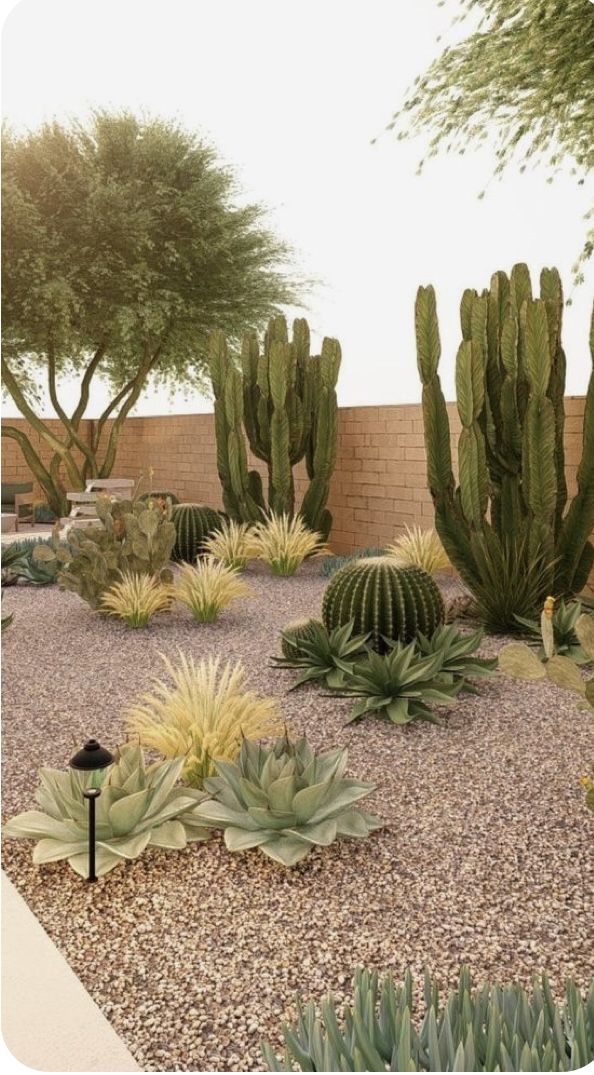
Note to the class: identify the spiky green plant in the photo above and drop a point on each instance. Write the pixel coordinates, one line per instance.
(491, 1028)
(284, 543)
(522, 662)
(383, 600)
(458, 652)
(135, 599)
(208, 588)
(399, 684)
(193, 523)
(232, 543)
(202, 714)
(419, 548)
(286, 800)
(295, 632)
(510, 382)
(285, 400)
(331, 564)
(511, 583)
(327, 657)
(139, 807)
(565, 639)
(20, 564)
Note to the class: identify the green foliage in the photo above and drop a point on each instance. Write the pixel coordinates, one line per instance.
(139, 807)
(505, 526)
(285, 800)
(133, 538)
(20, 564)
(383, 600)
(194, 523)
(161, 495)
(491, 1028)
(565, 639)
(331, 564)
(523, 79)
(399, 684)
(459, 662)
(293, 634)
(323, 655)
(284, 400)
(124, 245)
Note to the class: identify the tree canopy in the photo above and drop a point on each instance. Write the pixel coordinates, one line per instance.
(525, 72)
(125, 243)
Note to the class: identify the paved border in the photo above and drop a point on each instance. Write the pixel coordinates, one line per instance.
(49, 1021)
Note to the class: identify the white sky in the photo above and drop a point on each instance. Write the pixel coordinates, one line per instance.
(292, 92)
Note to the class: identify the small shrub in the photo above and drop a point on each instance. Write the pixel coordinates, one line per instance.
(509, 584)
(285, 800)
(494, 1028)
(139, 807)
(323, 656)
(233, 544)
(399, 684)
(419, 548)
(284, 543)
(383, 600)
(135, 599)
(208, 589)
(203, 715)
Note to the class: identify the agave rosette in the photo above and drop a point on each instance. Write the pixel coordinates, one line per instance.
(325, 656)
(285, 800)
(458, 654)
(399, 684)
(139, 807)
(565, 639)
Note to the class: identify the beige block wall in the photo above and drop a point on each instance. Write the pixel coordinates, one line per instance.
(379, 483)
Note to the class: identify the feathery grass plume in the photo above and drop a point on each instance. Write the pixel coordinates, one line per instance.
(208, 588)
(419, 548)
(204, 714)
(233, 544)
(284, 543)
(135, 599)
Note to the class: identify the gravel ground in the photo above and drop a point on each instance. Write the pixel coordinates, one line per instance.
(195, 957)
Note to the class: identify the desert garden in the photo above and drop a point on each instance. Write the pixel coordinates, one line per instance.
(298, 699)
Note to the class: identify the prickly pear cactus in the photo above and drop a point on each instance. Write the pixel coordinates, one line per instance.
(385, 601)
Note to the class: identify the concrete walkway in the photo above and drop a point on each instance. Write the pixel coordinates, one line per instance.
(49, 1021)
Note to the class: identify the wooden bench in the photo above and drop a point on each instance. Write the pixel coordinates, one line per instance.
(83, 511)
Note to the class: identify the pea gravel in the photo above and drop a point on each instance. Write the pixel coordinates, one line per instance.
(487, 856)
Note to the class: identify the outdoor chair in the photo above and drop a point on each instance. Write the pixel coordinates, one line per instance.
(17, 500)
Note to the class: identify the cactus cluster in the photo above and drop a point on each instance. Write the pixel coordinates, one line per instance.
(383, 600)
(510, 383)
(491, 1028)
(194, 524)
(133, 538)
(284, 400)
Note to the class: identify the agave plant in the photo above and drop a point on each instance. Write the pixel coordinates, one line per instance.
(458, 655)
(208, 588)
(139, 807)
(285, 800)
(233, 544)
(565, 639)
(419, 548)
(284, 543)
(493, 1028)
(18, 563)
(203, 715)
(325, 656)
(398, 684)
(135, 599)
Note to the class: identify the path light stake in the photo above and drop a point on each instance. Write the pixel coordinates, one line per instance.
(92, 757)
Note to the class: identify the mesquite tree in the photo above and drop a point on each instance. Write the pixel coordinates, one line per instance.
(123, 248)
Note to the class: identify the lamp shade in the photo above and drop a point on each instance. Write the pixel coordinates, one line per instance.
(92, 756)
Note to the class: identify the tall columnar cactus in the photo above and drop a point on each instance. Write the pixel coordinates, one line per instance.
(194, 523)
(510, 383)
(285, 400)
(385, 601)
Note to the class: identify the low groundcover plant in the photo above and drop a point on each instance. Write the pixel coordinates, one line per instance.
(208, 588)
(285, 800)
(284, 542)
(135, 599)
(324, 656)
(399, 684)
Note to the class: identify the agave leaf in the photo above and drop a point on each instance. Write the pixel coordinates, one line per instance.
(129, 847)
(323, 833)
(272, 819)
(34, 825)
(105, 861)
(346, 796)
(398, 711)
(281, 793)
(288, 850)
(241, 839)
(170, 834)
(307, 801)
(48, 850)
(125, 814)
(252, 794)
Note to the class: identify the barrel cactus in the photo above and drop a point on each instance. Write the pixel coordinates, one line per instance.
(194, 523)
(294, 633)
(385, 601)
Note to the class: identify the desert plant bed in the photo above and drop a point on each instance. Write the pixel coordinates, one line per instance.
(197, 956)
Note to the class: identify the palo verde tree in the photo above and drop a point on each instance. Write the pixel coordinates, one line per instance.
(124, 246)
(526, 73)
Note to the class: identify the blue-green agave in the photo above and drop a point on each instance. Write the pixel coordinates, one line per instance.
(399, 684)
(285, 800)
(324, 655)
(139, 807)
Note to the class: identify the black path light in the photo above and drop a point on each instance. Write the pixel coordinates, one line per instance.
(92, 756)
